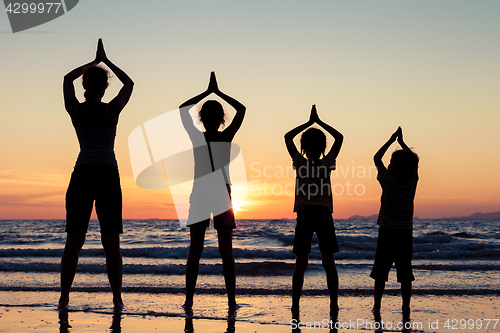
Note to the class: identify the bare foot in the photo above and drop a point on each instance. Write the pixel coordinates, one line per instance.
(231, 313)
(188, 305)
(406, 314)
(334, 312)
(63, 303)
(376, 314)
(188, 309)
(118, 304)
(233, 306)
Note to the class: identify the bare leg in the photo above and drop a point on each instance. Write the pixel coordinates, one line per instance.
(332, 279)
(226, 252)
(379, 291)
(197, 235)
(301, 262)
(114, 266)
(69, 262)
(406, 295)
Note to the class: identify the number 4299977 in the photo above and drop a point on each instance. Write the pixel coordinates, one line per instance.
(471, 324)
(41, 8)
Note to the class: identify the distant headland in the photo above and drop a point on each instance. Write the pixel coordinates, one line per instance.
(475, 216)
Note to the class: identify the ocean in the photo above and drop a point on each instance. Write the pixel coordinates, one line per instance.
(451, 257)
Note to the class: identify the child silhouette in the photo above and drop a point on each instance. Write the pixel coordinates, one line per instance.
(394, 245)
(314, 204)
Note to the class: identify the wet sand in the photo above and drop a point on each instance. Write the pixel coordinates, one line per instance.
(91, 312)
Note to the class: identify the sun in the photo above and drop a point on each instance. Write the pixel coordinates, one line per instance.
(237, 205)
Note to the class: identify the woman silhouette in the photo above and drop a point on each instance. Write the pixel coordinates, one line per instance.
(95, 176)
(211, 187)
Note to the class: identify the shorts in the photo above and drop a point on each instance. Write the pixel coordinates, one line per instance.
(309, 221)
(393, 246)
(94, 182)
(202, 205)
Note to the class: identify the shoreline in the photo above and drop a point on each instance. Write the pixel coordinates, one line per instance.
(24, 311)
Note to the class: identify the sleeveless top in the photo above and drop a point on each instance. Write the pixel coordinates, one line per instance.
(211, 163)
(312, 182)
(96, 144)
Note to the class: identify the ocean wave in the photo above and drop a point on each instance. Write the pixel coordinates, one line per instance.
(153, 252)
(265, 268)
(362, 249)
(243, 269)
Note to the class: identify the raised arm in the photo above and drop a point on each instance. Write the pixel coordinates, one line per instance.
(377, 159)
(235, 125)
(290, 145)
(118, 103)
(339, 138)
(70, 99)
(196, 99)
(184, 108)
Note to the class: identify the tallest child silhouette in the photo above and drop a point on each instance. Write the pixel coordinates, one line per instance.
(314, 204)
(211, 192)
(95, 177)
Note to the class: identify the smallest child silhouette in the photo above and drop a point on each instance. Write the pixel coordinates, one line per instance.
(394, 245)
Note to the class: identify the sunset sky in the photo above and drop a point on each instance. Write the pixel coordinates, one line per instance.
(431, 67)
